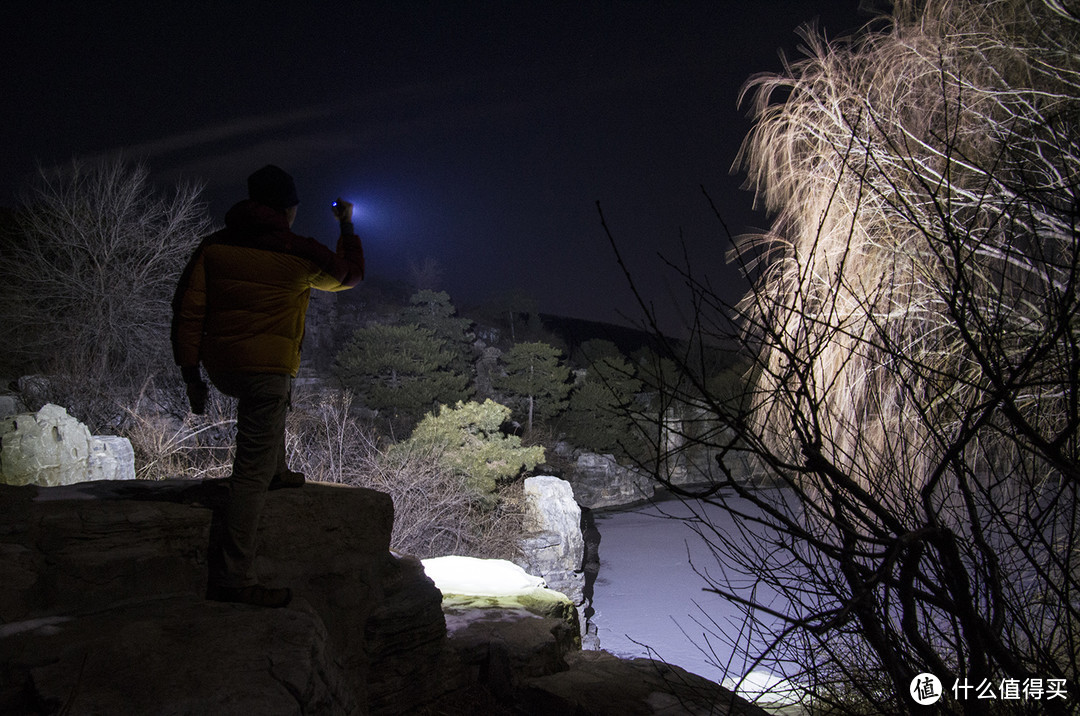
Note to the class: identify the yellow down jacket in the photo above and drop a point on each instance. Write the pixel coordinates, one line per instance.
(242, 298)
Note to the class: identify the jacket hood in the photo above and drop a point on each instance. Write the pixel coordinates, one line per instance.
(248, 218)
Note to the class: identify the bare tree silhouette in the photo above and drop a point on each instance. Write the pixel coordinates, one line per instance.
(87, 273)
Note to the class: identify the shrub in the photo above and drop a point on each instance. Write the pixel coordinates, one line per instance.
(435, 510)
(468, 440)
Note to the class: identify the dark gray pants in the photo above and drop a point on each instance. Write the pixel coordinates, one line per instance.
(263, 400)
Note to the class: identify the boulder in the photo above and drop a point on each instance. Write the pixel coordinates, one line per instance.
(552, 544)
(95, 568)
(52, 448)
(10, 405)
(600, 481)
(502, 624)
(111, 458)
(597, 683)
(194, 656)
(45, 448)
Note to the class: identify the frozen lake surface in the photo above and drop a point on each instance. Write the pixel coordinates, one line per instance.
(649, 600)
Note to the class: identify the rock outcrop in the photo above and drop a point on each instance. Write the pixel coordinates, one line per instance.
(502, 624)
(102, 609)
(516, 650)
(596, 683)
(177, 655)
(599, 481)
(9, 405)
(552, 545)
(50, 447)
(602, 482)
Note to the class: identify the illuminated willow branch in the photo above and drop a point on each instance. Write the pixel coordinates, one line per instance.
(913, 337)
(942, 153)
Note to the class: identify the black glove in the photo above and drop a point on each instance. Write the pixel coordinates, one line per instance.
(196, 389)
(196, 395)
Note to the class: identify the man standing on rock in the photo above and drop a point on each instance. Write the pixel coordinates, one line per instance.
(239, 309)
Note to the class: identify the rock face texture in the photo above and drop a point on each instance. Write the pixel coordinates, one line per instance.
(50, 447)
(193, 656)
(553, 546)
(596, 683)
(517, 650)
(502, 624)
(599, 481)
(102, 609)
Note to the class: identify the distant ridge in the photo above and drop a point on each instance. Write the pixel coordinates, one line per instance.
(576, 331)
(629, 340)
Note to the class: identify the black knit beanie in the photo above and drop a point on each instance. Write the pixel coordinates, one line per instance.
(273, 187)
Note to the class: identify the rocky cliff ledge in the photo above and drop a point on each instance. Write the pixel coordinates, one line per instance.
(102, 611)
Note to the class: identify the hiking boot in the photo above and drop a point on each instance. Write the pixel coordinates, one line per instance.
(289, 478)
(256, 595)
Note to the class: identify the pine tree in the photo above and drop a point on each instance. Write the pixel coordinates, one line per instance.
(405, 370)
(434, 311)
(600, 408)
(470, 441)
(536, 382)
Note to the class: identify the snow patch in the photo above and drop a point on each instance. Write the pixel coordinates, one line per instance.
(479, 577)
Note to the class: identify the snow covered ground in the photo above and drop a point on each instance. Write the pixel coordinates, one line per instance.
(650, 602)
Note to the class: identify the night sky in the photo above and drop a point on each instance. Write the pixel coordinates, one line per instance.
(481, 134)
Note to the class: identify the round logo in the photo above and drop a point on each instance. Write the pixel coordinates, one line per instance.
(926, 689)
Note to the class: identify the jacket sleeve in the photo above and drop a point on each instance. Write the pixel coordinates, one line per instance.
(341, 269)
(189, 311)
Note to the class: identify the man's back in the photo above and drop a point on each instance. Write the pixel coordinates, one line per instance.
(248, 288)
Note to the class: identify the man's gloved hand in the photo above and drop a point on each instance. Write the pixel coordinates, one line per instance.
(343, 210)
(196, 389)
(196, 395)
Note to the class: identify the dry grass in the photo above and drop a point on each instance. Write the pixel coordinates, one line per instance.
(435, 512)
(900, 165)
(196, 447)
